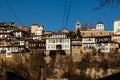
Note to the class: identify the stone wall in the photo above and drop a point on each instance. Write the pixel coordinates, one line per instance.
(19, 63)
(29, 65)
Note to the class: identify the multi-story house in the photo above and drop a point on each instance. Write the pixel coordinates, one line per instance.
(103, 43)
(19, 33)
(96, 42)
(37, 30)
(36, 46)
(91, 39)
(17, 39)
(115, 42)
(10, 45)
(4, 35)
(57, 42)
(76, 49)
(36, 37)
(14, 44)
(2, 45)
(14, 38)
(8, 25)
(116, 27)
(88, 42)
(24, 28)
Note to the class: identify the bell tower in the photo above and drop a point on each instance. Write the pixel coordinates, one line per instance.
(78, 26)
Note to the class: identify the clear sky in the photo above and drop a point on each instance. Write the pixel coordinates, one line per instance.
(49, 13)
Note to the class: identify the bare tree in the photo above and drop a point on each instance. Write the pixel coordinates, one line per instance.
(87, 25)
(2, 69)
(37, 63)
(111, 3)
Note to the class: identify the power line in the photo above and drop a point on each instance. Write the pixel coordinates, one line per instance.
(65, 7)
(12, 11)
(69, 8)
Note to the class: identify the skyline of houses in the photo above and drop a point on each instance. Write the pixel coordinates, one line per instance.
(20, 39)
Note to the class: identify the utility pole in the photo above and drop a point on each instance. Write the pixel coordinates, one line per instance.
(41, 71)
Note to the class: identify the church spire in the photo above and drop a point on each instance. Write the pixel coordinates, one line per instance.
(78, 25)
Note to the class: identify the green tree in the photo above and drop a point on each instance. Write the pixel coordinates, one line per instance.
(78, 33)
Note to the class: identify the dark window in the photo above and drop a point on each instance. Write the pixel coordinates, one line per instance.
(59, 46)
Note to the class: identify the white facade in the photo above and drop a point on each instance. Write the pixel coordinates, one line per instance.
(91, 43)
(88, 42)
(39, 30)
(104, 47)
(8, 54)
(12, 49)
(34, 27)
(22, 42)
(52, 43)
(18, 34)
(99, 26)
(2, 49)
(55, 40)
(36, 37)
(4, 35)
(116, 27)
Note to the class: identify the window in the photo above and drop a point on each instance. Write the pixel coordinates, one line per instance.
(8, 49)
(73, 47)
(105, 39)
(66, 46)
(118, 30)
(59, 46)
(53, 41)
(106, 49)
(67, 40)
(8, 54)
(119, 24)
(57, 40)
(60, 41)
(115, 40)
(22, 41)
(78, 24)
(101, 39)
(106, 44)
(78, 47)
(89, 40)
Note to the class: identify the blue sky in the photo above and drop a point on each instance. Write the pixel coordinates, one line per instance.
(49, 13)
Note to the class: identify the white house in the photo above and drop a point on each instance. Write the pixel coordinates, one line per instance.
(88, 42)
(58, 40)
(100, 43)
(116, 27)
